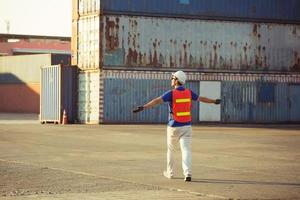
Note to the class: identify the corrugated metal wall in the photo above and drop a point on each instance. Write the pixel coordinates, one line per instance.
(88, 97)
(88, 51)
(122, 95)
(256, 102)
(293, 102)
(145, 42)
(124, 90)
(244, 10)
(50, 99)
(247, 98)
(58, 93)
(155, 41)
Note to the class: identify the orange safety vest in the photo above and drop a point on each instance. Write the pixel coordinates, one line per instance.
(182, 105)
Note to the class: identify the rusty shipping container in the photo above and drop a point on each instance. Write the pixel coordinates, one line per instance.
(146, 42)
(286, 11)
(193, 44)
(246, 98)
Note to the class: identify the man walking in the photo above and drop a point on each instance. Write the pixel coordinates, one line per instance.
(179, 126)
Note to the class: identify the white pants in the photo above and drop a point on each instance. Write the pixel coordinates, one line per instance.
(184, 136)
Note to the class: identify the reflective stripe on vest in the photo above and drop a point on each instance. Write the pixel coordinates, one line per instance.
(179, 114)
(183, 100)
(182, 105)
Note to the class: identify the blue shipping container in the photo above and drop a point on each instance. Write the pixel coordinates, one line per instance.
(242, 10)
(246, 98)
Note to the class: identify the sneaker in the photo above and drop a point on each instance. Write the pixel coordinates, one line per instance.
(167, 175)
(188, 178)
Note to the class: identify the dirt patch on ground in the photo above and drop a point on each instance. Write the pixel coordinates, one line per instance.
(20, 180)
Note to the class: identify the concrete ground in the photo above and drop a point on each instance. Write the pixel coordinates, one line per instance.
(19, 118)
(126, 162)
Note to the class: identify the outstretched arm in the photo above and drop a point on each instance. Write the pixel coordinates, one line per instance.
(153, 102)
(208, 100)
(150, 104)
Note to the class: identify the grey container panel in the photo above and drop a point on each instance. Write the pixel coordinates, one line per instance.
(147, 42)
(50, 94)
(247, 98)
(122, 95)
(255, 102)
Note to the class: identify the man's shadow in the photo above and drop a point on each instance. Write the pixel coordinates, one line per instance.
(240, 182)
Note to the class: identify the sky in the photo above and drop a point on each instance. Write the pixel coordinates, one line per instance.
(36, 17)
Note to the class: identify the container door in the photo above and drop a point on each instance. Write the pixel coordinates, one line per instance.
(88, 98)
(294, 99)
(210, 112)
(50, 99)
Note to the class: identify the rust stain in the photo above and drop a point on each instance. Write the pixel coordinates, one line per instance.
(296, 65)
(101, 53)
(112, 34)
(258, 60)
(154, 60)
(255, 30)
(185, 56)
(211, 59)
(140, 60)
(201, 62)
(245, 59)
(215, 58)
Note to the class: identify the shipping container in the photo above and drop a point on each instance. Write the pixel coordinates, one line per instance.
(285, 11)
(89, 97)
(126, 50)
(58, 93)
(157, 43)
(246, 98)
(88, 42)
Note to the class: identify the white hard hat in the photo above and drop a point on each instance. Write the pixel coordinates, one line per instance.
(181, 77)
